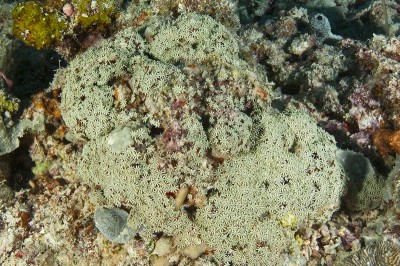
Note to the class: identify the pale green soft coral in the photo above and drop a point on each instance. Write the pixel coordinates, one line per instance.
(154, 84)
(88, 97)
(138, 177)
(155, 124)
(101, 92)
(191, 38)
(292, 174)
(231, 135)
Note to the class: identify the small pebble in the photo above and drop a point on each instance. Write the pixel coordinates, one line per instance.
(68, 9)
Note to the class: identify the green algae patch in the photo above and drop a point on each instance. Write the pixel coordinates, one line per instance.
(98, 13)
(36, 27)
(44, 25)
(7, 104)
(41, 167)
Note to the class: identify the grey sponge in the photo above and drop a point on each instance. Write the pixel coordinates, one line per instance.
(111, 222)
(364, 186)
(322, 28)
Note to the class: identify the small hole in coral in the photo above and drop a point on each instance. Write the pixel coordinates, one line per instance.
(285, 180)
(156, 131)
(191, 212)
(265, 184)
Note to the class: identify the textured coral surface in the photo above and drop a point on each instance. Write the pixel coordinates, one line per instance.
(199, 132)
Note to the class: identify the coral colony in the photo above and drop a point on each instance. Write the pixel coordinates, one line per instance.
(199, 132)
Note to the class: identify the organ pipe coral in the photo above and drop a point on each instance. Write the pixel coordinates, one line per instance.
(175, 110)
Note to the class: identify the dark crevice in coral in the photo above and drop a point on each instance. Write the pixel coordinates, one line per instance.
(125, 4)
(191, 212)
(249, 108)
(205, 122)
(111, 81)
(50, 128)
(156, 131)
(151, 57)
(291, 89)
(21, 164)
(266, 184)
(212, 192)
(158, 235)
(278, 104)
(32, 70)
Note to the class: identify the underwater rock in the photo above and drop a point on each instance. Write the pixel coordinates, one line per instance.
(111, 222)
